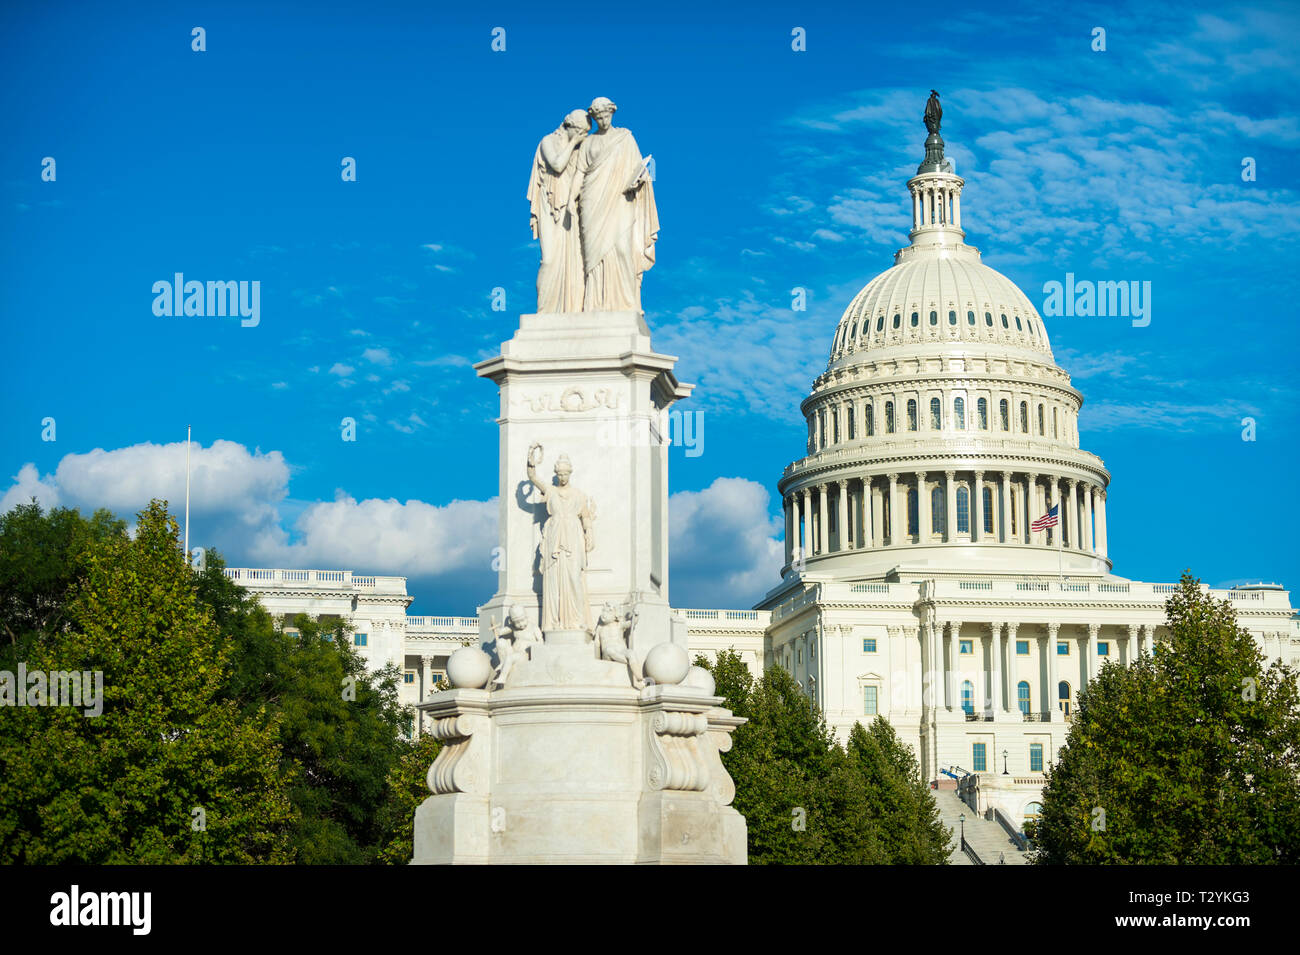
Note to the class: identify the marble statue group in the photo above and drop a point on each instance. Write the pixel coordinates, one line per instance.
(593, 213)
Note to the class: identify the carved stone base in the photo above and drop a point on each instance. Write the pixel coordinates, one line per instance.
(580, 774)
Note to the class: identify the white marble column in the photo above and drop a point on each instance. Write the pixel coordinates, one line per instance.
(895, 534)
(1075, 539)
(1101, 514)
(1088, 544)
(922, 509)
(1053, 673)
(851, 532)
(977, 509)
(1031, 499)
(1149, 638)
(1005, 530)
(426, 687)
(995, 681)
(807, 523)
(950, 663)
(1094, 660)
(1059, 504)
(868, 513)
(1132, 643)
(823, 522)
(950, 499)
(1012, 704)
(842, 515)
(789, 529)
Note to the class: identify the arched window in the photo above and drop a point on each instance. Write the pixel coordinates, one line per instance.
(1022, 696)
(938, 512)
(970, 318)
(963, 510)
(1004, 320)
(1024, 417)
(852, 434)
(988, 510)
(871, 420)
(968, 696)
(912, 518)
(936, 414)
(880, 323)
(1063, 697)
(1055, 432)
(988, 319)
(982, 407)
(1002, 409)
(898, 319)
(1041, 430)
(916, 319)
(952, 318)
(934, 318)
(889, 417)
(959, 413)
(1019, 328)
(911, 414)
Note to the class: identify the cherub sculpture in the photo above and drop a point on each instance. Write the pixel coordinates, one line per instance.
(513, 641)
(610, 635)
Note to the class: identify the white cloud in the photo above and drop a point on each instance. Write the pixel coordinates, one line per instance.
(27, 485)
(725, 549)
(340, 369)
(377, 356)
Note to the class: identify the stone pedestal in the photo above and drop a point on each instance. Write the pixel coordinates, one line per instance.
(579, 772)
(569, 761)
(588, 385)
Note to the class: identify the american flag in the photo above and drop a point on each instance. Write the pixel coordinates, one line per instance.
(1047, 520)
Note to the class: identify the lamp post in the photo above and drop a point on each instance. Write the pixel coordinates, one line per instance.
(1004, 763)
(962, 819)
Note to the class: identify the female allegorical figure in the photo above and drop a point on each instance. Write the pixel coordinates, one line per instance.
(617, 216)
(566, 539)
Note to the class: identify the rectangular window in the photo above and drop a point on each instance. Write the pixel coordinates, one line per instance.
(869, 645)
(1062, 649)
(869, 700)
(1103, 649)
(967, 647)
(1035, 757)
(1022, 648)
(408, 677)
(359, 639)
(978, 760)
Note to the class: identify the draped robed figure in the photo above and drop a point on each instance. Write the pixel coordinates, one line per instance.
(553, 209)
(566, 539)
(618, 221)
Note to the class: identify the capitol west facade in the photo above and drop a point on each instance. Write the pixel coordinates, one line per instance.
(915, 586)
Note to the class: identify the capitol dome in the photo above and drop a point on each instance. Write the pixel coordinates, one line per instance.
(942, 429)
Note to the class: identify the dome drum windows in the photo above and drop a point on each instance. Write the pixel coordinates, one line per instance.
(871, 420)
(898, 320)
(1024, 417)
(963, 510)
(952, 318)
(916, 319)
(936, 414)
(889, 417)
(1003, 410)
(970, 318)
(934, 318)
(959, 413)
(911, 414)
(1004, 321)
(1042, 431)
(988, 510)
(938, 513)
(982, 409)
(988, 319)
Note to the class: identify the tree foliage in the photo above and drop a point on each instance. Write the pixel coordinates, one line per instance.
(808, 800)
(1190, 756)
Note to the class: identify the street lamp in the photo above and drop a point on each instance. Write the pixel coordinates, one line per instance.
(1004, 763)
(962, 819)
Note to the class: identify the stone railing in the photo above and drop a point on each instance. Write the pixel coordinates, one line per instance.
(279, 578)
(442, 623)
(723, 616)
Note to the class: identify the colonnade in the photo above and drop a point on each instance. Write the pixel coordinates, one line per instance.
(872, 511)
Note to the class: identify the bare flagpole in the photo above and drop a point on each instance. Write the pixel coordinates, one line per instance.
(187, 495)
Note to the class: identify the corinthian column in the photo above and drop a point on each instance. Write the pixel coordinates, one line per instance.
(789, 529)
(922, 510)
(822, 521)
(1088, 544)
(1005, 535)
(1010, 688)
(977, 509)
(841, 513)
(1075, 538)
(950, 499)
(1101, 515)
(1054, 673)
(807, 523)
(995, 675)
(895, 536)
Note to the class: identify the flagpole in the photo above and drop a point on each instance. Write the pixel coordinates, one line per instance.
(187, 495)
(1060, 540)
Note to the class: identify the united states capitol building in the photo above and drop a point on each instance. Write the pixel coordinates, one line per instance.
(915, 585)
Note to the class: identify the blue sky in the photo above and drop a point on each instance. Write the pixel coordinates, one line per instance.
(774, 169)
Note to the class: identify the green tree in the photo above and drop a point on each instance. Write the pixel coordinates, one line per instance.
(170, 771)
(340, 724)
(407, 787)
(1191, 756)
(903, 808)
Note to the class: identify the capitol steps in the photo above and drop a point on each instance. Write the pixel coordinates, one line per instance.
(989, 841)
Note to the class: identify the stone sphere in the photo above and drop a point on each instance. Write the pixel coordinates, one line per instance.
(667, 663)
(469, 668)
(701, 679)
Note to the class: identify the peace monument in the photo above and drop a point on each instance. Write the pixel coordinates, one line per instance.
(598, 742)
